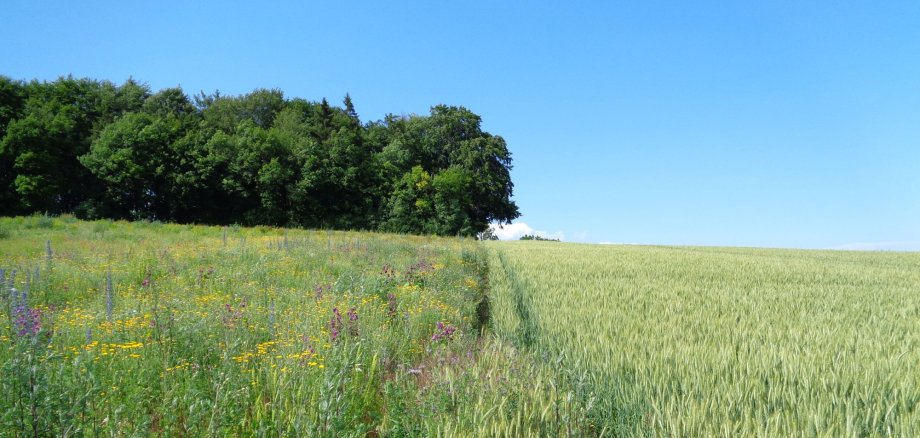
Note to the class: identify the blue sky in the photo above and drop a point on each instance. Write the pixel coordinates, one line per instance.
(779, 124)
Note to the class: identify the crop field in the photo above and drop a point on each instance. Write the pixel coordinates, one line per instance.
(683, 341)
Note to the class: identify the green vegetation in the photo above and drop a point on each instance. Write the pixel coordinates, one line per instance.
(100, 150)
(114, 328)
(143, 328)
(536, 237)
(721, 341)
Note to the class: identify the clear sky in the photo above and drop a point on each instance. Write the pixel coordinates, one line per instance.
(779, 123)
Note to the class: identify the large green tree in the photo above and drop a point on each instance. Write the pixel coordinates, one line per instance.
(338, 172)
(135, 156)
(44, 143)
(54, 126)
(452, 138)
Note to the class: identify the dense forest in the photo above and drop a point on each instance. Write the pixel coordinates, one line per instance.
(102, 150)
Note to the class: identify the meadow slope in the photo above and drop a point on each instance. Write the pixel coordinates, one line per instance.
(136, 329)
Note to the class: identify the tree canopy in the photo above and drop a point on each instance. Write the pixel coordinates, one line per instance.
(101, 150)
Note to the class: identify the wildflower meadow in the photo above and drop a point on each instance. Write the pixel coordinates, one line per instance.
(126, 329)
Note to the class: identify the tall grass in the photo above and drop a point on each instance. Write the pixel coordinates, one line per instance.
(114, 328)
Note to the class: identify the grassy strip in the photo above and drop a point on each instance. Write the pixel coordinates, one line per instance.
(147, 328)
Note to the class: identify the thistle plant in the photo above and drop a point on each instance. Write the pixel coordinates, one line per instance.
(392, 305)
(443, 332)
(352, 322)
(335, 324)
(320, 290)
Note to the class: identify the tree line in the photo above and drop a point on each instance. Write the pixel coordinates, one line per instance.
(101, 150)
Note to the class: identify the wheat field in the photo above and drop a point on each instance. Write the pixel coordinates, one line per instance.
(684, 341)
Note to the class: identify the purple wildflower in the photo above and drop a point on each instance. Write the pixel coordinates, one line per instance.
(318, 291)
(353, 322)
(146, 283)
(232, 316)
(388, 273)
(308, 344)
(416, 272)
(335, 323)
(27, 320)
(392, 305)
(443, 332)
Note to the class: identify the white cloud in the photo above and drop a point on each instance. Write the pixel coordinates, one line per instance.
(877, 246)
(515, 230)
(511, 231)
